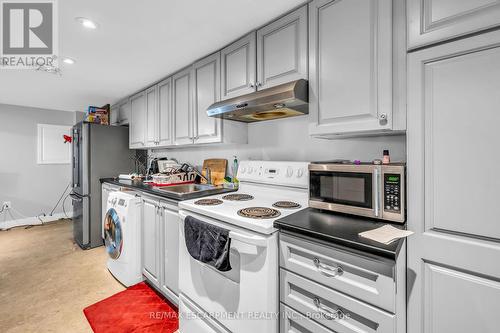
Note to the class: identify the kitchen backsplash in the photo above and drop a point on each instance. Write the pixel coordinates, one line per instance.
(288, 140)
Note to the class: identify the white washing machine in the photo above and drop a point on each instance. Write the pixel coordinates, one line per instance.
(122, 237)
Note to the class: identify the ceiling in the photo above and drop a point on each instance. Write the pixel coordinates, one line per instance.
(136, 44)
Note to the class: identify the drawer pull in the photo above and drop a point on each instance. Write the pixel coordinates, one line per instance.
(328, 312)
(328, 270)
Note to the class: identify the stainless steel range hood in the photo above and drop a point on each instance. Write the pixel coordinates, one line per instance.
(286, 100)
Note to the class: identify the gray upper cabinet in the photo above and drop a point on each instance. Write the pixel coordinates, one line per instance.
(350, 67)
(433, 21)
(182, 105)
(165, 112)
(137, 129)
(282, 50)
(238, 67)
(151, 117)
(206, 84)
(120, 113)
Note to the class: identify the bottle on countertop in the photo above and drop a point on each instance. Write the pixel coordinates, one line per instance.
(387, 158)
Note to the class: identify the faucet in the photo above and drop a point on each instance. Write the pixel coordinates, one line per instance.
(208, 175)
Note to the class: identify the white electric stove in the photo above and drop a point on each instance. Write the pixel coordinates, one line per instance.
(246, 298)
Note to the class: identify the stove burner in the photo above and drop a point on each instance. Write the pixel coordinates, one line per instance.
(286, 204)
(259, 212)
(237, 197)
(208, 202)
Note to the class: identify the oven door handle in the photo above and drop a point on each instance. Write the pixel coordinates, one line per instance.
(248, 239)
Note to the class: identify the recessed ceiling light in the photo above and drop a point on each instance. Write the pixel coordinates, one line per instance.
(68, 61)
(87, 23)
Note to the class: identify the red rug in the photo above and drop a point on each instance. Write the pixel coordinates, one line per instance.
(137, 309)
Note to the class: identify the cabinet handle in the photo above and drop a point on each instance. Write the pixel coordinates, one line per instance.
(251, 85)
(328, 270)
(383, 116)
(328, 312)
(259, 84)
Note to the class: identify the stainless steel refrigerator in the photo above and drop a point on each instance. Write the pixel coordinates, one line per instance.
(98, 152)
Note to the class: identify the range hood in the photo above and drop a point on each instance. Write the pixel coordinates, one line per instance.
(282, 101)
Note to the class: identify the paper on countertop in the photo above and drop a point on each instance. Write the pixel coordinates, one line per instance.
(385, 234)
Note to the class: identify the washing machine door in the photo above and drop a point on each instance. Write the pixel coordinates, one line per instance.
(113, 236)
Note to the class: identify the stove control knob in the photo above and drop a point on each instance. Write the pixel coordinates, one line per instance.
(300, 173)
(289, 172)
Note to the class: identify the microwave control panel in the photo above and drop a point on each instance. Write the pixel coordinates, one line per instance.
(392, 192)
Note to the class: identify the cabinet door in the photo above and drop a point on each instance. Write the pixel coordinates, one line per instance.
(282, 50)
(433, 21)
(170, 280)
(182, 104)
(350, 66)
(165, 112)
(453, 257)
(206, 81)
(151, 118)
(151, 240)
(137, 127)
(124, 112)
(238, 62)
(114, 114)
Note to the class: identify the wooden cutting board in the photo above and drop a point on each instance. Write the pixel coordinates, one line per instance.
(217, 167)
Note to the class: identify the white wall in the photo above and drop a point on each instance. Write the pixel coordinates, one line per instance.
(288, 139)
(32, 188)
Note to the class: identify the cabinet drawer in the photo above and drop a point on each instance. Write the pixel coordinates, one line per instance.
(369, 279)
(294, 322)
(332, 309)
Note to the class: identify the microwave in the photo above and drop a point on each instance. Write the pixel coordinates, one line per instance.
(368, 190)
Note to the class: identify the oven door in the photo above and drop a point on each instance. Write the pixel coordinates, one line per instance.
(249, 288)
(345, 189)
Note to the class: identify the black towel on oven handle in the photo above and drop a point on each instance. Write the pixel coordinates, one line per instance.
(207, 243)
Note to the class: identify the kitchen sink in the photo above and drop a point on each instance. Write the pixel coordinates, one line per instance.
(189, 191)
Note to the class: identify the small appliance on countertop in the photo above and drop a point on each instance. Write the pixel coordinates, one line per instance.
(361, 189)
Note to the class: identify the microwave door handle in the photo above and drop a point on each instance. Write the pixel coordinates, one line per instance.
(376, 184)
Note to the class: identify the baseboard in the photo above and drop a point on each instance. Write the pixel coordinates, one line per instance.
(33, 220)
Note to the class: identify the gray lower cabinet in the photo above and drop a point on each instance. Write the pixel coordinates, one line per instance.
(160, 245)
(351, 67)
(328, 288)
(151, 245)
(435, 21)
(238, 67)
(453, 257)
(181, 107)
(282, 50)
(137, 128)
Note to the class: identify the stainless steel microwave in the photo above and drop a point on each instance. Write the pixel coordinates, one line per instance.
(375, 191)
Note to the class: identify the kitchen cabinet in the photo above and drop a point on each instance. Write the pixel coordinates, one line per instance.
(120, 113)
(151, 117)
(351, 68)
(435, 21)
(282, 50)
(170, 221)
(137, 128)
(238, 67)
(206, 91)
(151, 246)
(182, 104)
(452, 199)
(164, 105)
(160, 245)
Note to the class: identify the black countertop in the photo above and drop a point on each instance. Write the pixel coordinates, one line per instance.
(145, 187)
(339, 229)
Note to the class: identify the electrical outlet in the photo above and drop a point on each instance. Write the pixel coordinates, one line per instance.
(7, 205)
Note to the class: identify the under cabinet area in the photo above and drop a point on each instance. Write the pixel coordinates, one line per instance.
(335, 289)
(160, 243)
(351, 67)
